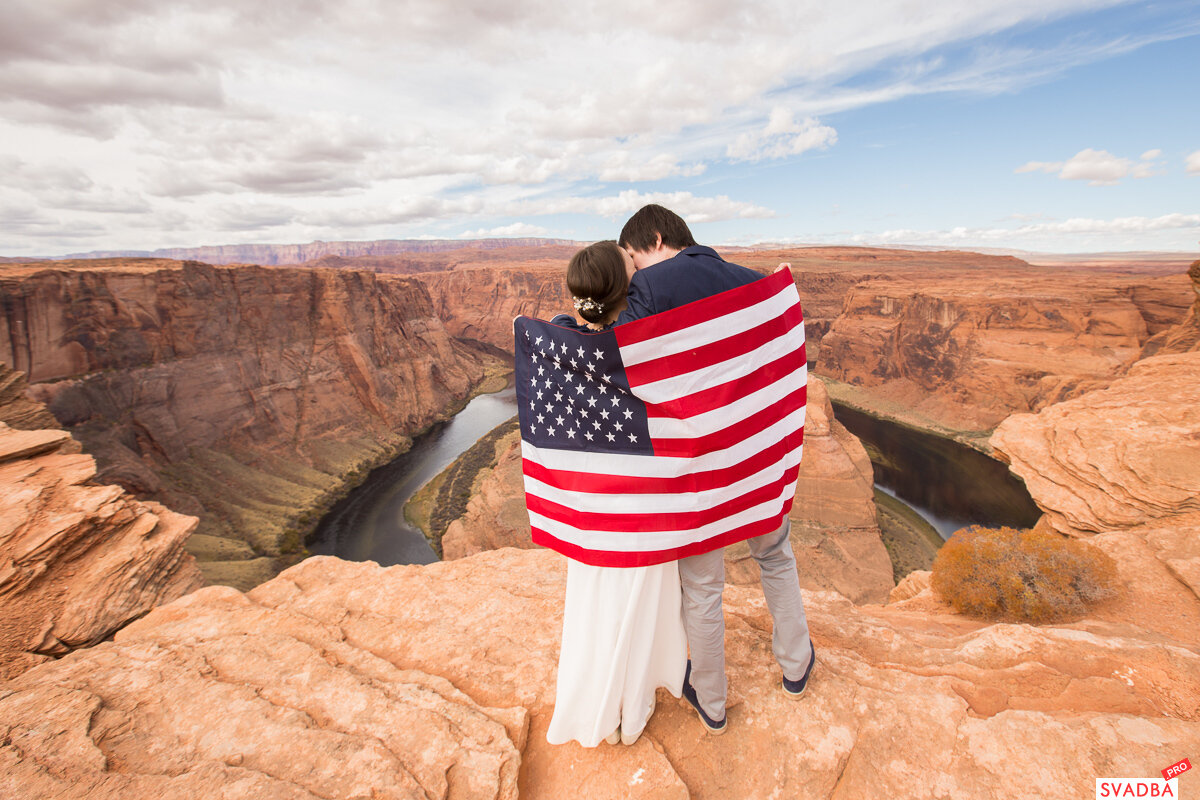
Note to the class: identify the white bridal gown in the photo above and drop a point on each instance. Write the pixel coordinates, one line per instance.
(622, 638)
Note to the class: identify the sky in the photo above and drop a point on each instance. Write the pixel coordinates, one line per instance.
(1044, 125)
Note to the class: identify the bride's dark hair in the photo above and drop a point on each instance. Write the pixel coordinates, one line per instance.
(597, 280)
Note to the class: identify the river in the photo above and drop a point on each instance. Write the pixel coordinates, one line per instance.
(949, 484)
(369, 524)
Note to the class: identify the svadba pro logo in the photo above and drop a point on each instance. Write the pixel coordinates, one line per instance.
(1120, 788)
(1166, 786)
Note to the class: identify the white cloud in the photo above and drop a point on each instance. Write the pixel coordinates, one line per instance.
(517, 229)
(1098, 167)
(1101, 233)
(1193, 163)
(781, 137)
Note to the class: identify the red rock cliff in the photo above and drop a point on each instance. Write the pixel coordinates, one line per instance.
(244, 395)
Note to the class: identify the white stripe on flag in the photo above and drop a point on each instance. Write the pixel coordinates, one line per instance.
(721, 418)
(740, 366)
(629, 542)
(711, 330)
(643, 466)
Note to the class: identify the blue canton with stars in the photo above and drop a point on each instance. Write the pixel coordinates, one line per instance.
(572, 393)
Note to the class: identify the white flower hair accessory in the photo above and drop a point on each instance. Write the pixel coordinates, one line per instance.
(588, 304)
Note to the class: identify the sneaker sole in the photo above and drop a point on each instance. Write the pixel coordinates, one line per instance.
(703, 723)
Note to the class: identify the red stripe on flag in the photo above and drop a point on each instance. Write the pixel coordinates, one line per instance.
(713, 353)
(598, 483)
(696, 313)
(739, 431)
(648, 558)
(723, 394)
(677, 521)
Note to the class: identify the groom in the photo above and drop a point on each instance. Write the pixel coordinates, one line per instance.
(672, 270)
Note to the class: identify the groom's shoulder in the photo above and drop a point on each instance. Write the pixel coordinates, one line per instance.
(704, 269)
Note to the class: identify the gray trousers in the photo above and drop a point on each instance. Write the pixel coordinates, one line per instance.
(702, 578)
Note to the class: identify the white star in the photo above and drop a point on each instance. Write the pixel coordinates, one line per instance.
(616, 401)
(547, 383)
(628, 414)
(549, 408)
(533, 428)
(543, 352)
(539, 394)
(558, 396)
(579, 389)
(533, 382)
(526, 334)
(541, 418)
(550, 431)
(590, 367)
(570, 376)
(605, 379)
(557, 363)
(632, 438)
(571, 434)
(538, 340)
(559, 420)
(587, 435)
(564, 347)
(596, 424)
(574, 364)
(603, 390)
(599, 354)
(604, 414)
(617, 425)
(583, 413)
(591, 401)
(532, 406)
(590, 377)
(541, 370)
(611, 437)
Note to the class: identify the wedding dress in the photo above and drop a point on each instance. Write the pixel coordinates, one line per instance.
(622, 638)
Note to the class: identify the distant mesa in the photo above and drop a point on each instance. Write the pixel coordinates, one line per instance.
(273, 254)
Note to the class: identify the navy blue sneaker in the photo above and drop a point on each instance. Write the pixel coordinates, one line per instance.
(715, 727)
(796, 688)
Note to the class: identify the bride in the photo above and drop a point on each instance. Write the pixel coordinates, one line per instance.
(623, 633)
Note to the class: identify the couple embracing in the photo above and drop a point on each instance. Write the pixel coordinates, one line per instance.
(663, 427)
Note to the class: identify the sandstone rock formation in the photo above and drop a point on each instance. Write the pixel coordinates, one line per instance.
(78, 559)
(1114, 458)
(969, 354)
(247, 396)
(348, 680)
(834, 531)
(1184, 337)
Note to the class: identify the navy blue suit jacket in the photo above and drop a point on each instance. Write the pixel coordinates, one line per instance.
(695, 273)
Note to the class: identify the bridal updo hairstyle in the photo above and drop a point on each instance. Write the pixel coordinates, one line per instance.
(597, 274)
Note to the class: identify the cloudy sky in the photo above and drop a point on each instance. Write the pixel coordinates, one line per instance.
(1054, 125)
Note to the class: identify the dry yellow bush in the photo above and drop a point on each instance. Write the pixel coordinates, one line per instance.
(1021, 576)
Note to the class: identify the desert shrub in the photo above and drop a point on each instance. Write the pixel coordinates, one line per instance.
(1021, 576)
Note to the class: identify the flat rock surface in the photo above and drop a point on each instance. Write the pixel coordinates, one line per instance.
(341, 680)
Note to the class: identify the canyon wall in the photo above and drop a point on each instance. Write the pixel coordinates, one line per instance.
(1185, 336)
(965, 353)
(78, 559)
(834, 534)
(249, 397)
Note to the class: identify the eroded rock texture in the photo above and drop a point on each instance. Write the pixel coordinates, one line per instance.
(1117, 457)
(969, 352)
(250, 397)
(834, 531)
(348, 680)
(77, 559)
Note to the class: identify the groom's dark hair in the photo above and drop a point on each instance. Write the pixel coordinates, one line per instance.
(650, 221)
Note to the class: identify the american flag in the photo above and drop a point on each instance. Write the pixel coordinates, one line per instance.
(668, 436)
